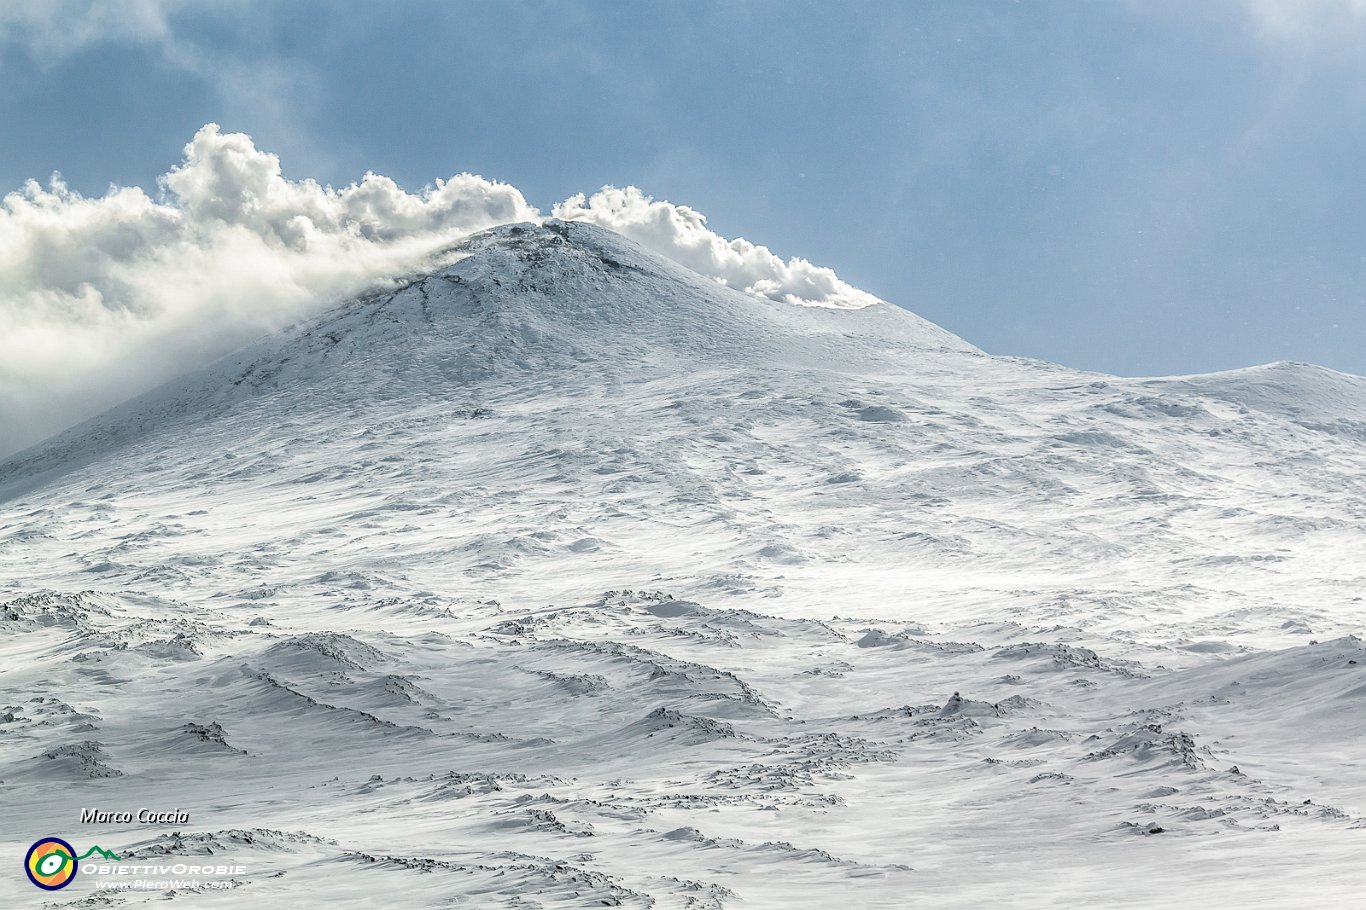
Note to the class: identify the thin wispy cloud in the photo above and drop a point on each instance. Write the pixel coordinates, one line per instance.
(1304, 22)
(52, 29)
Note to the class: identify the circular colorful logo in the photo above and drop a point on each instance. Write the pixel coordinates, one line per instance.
(51, 863)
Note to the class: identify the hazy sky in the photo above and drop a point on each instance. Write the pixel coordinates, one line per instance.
(1143, 187)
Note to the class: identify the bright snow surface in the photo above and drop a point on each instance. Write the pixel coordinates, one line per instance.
(563, 577)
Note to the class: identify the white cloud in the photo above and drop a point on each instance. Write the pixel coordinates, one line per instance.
(105, 297)
(681, 234)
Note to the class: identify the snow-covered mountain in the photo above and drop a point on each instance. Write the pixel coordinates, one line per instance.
(563, 576)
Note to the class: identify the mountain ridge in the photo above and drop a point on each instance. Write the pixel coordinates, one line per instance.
(509, 300)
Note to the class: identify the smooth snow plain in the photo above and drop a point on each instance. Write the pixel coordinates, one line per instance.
(564, 577)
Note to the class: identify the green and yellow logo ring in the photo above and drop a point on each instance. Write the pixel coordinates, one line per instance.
(51, 863)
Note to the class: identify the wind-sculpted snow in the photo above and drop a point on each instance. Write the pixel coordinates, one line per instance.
(565, 577)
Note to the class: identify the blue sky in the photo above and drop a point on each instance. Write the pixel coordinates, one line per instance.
(1137, 188)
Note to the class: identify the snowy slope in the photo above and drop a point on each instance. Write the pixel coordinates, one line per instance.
(565, 577)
